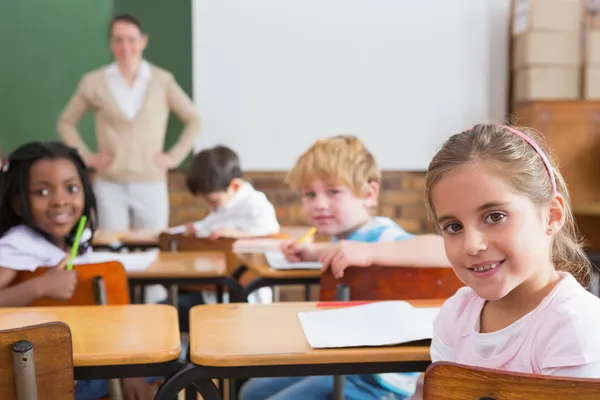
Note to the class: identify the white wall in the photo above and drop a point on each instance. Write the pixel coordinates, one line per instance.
(272, 76)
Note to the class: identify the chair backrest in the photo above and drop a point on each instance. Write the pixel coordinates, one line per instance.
(392, 283)
(112, 272)
(449, 381)
(52, 357)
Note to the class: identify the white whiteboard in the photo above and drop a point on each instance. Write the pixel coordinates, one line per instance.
(272, 76)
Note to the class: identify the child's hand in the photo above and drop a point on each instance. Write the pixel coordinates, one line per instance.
(190, 229)
(136, 389)
(57, 283)
(347, 254)
(295, 252)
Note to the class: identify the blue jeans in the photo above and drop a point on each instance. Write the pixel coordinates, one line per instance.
(185, 302)
(97, 389)
(356, 387)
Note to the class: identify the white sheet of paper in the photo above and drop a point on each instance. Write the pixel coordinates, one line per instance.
(138, 261)
(383, 323)
(256, 245)
(277, 260)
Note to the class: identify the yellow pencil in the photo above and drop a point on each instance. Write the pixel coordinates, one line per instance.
(307, 235)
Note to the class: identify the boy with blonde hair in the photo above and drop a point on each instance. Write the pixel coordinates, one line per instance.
(339, 180)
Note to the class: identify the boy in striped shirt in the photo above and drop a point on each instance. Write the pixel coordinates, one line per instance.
(339, 180)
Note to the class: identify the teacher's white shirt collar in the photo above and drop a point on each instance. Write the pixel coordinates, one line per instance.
(129, 98)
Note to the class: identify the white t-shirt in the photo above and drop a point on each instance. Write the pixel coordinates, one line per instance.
(129, 99)
(559, 337)
(23, 249)
(248, 211)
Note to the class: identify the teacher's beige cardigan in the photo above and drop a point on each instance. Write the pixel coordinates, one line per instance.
(133, 143)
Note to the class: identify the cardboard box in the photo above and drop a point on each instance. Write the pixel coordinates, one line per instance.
(566, 15)
(547, 48)
(591, 84)
(592, 14)
(546, 83)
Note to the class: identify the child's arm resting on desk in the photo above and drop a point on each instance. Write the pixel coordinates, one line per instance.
(56, 283)
(296, 252)
(418, 251)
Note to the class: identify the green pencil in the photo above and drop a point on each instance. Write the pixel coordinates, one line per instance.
(75, 247)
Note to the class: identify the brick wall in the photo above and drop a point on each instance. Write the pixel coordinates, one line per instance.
(401, 198)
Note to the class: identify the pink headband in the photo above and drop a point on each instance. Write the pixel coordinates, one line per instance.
(537, 150)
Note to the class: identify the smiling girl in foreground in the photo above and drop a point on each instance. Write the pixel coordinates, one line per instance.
(44, 191)
(503, 210)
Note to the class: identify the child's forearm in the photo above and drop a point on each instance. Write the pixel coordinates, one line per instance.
(420, 251)
(20, 295)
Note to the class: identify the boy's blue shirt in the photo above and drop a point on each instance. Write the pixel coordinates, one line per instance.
(383, 229)
(379, 229)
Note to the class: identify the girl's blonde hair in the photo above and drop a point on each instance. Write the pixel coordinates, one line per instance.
(524, 170)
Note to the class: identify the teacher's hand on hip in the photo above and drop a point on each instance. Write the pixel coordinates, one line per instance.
(163, 161)
(101, 161)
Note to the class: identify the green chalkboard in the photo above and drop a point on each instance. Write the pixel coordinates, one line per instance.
(46, 46)
(169, 28)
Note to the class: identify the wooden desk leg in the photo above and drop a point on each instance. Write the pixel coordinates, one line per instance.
(219, 294)
(174, 295)
(342, 294)
(232, 389)
(191, 393)
(114, 385)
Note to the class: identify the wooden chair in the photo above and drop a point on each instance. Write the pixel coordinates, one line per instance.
(46, 371)
(113, 275)
(392, 283)
(449, 381)
(97, 284)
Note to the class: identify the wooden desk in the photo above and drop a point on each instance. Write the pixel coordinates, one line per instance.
(133, 239)
(272, 336)
(120, 338)
(268, 276)
(184, 265)
(147, 238)
(186, 268)
(273, 344)
(258, 264)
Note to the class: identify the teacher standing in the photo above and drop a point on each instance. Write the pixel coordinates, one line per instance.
(132, 100)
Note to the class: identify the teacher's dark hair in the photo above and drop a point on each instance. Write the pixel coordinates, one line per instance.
(128, 18)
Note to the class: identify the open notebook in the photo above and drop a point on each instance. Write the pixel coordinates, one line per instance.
(382, 323)
(276, 260)
(138, 261)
